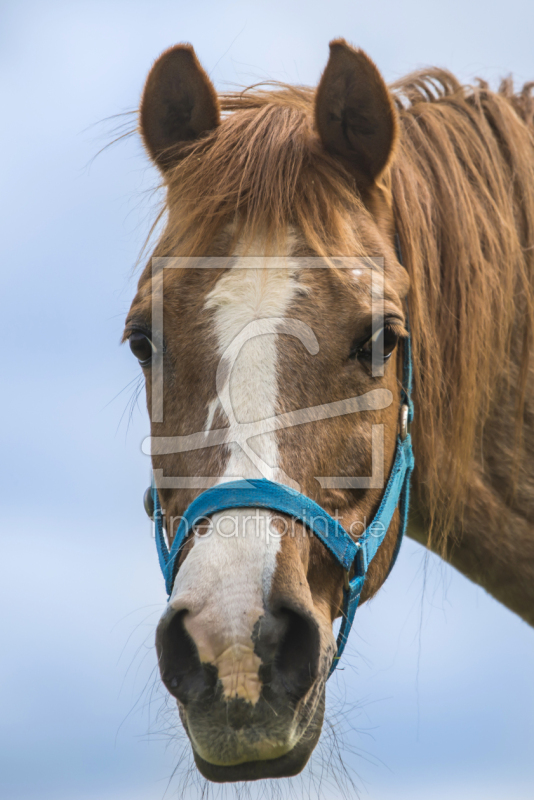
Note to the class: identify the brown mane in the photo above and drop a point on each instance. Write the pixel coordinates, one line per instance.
(462, 189)
(463, 196)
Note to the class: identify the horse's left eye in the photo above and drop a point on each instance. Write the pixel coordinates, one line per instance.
(382, 343)
(141, 347)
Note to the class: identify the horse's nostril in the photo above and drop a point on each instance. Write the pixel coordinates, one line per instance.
(179, 663)
(297, 657)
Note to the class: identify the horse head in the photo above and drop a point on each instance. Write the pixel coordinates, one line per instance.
(269, 325)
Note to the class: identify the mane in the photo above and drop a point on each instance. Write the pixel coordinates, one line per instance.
(462, 189)
(463, 198)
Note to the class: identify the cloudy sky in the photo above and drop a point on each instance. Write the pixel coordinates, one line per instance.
(435, 698)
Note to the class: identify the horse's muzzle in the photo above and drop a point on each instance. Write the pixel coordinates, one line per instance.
(233, 737)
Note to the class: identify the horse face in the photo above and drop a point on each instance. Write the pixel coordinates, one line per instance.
(246, 642)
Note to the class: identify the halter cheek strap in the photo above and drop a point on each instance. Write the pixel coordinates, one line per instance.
(354, 556)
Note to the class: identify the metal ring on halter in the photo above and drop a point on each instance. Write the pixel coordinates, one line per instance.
(148, 502)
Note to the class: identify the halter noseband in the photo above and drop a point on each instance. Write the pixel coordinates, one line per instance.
(354, 556)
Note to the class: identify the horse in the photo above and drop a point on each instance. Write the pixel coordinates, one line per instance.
(425, 188)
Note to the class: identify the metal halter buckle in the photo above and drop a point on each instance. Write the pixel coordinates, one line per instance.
(404, 413)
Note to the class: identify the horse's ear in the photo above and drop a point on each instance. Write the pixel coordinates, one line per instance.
(354, 112)
(179, 104)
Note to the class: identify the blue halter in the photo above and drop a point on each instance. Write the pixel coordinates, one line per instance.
(354, 556)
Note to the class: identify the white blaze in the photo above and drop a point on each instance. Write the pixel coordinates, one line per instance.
(227, 575)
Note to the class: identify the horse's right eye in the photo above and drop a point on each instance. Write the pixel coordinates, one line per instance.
(141, 347)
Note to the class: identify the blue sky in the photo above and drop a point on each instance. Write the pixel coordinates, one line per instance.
(436, 697)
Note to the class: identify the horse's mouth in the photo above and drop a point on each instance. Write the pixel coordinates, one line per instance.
(284, 766)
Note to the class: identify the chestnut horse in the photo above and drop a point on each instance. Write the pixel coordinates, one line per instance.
(273, 177)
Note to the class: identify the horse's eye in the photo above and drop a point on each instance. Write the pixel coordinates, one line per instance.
(141, 347)
(382, 344)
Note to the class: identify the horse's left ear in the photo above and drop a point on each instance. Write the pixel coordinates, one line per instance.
(354, 112)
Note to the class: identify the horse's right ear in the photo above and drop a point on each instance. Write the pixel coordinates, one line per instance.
(354, 113)
(179, 104)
